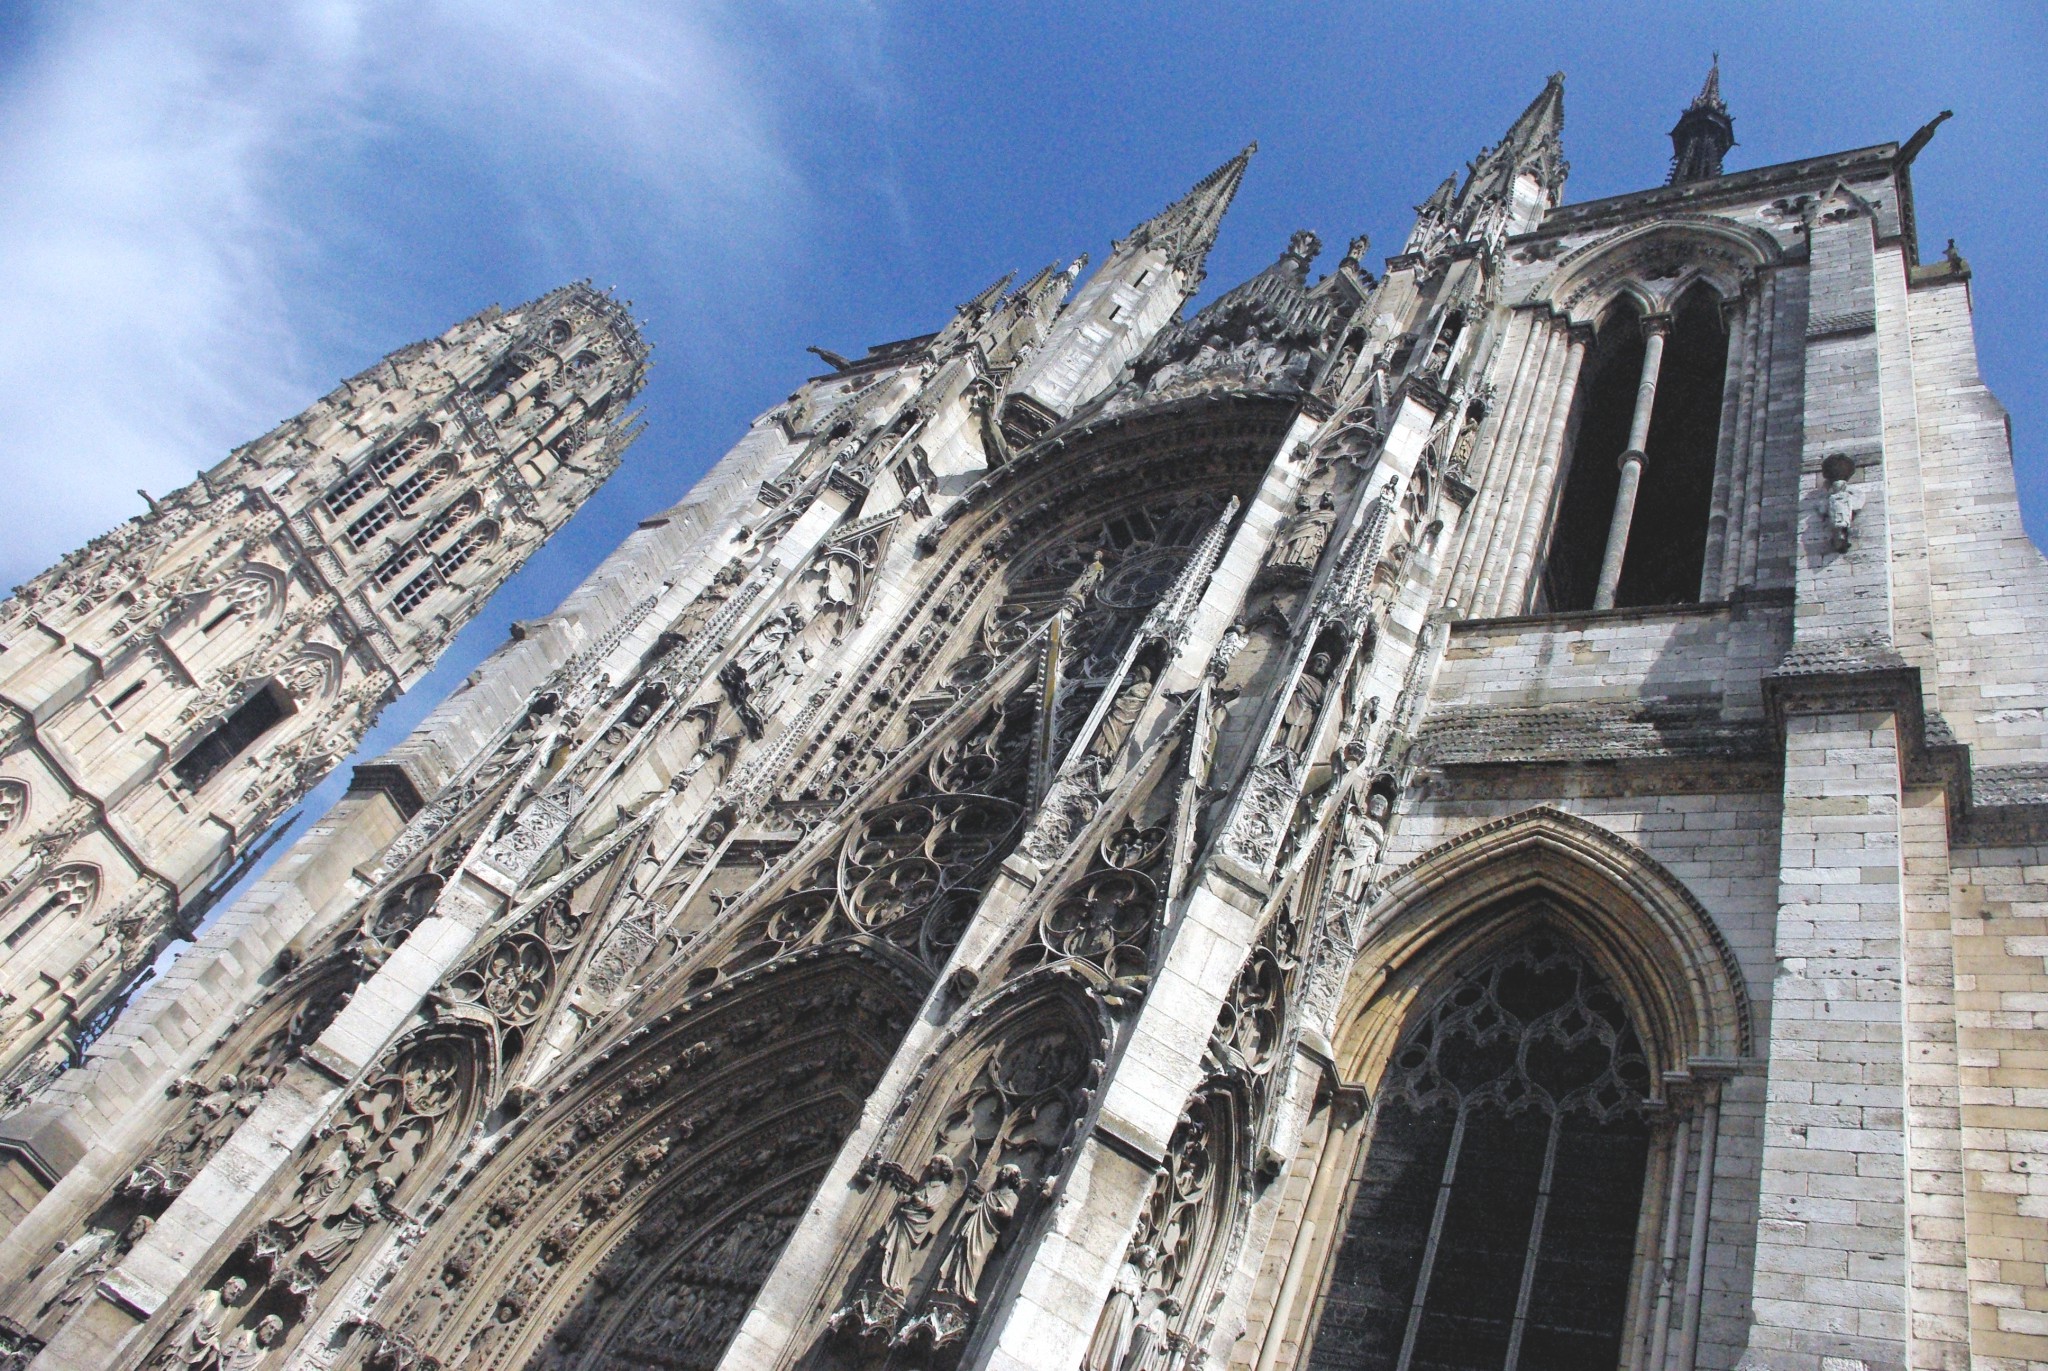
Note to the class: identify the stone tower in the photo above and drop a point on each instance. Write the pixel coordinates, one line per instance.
(1480, 815)
(170, 689)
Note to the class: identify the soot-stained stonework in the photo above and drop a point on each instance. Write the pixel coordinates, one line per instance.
(1477, 815)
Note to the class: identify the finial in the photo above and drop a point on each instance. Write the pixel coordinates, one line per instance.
(1703, 134)
(1304, 246)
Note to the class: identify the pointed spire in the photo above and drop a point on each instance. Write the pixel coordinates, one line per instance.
(1441, 200)
(1533, 145)
(1703, 134)
(990, 295)
(1710, 93)
(1543, 120)
(1186, 229)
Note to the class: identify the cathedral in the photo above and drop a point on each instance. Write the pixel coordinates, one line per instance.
(1480, 809)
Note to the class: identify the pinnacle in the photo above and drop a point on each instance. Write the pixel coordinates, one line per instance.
(1543, 118)
(1710, 93)
(1186, 229)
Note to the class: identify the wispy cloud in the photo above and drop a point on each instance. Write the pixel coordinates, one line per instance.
(180, 186)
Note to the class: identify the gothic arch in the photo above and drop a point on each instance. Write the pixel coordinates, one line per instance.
(1656, 263)
(72, 889)
(257, 591)
(326, 1216)
(1638, 924)
(958, 1178)
(593, 1236)
(14, 802)
(202, 1111)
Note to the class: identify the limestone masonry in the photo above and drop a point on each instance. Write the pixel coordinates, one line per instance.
(1492, 814)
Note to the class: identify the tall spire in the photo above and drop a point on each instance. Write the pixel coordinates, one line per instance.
(1186, 229)
(1533, 146)
(1703, 134)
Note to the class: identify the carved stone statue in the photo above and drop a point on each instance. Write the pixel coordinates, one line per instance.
(1843, 503)
(960, 1272)
(1299, 720)
(326, 1249)
(246, 1350)
(1084, 584)
(1468, 438)
(1301, 542)
(1123, 715)
(1118, 1322)
(197, 1343)
(911, 1224)
(95, 1253)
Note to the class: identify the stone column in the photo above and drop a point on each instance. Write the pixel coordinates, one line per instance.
(1655, 329)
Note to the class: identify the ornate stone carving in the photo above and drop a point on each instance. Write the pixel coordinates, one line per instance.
(997, 1140)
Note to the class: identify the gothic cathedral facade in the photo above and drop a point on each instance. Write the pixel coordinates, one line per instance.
(1480, 815)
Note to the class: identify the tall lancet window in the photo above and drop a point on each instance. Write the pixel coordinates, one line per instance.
(1631, 527)
(1494, 1226)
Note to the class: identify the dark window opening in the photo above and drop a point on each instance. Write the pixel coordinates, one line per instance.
(217, 620)
(134, 689)
(257, 716)
(1494, 1225)
(1667, 538)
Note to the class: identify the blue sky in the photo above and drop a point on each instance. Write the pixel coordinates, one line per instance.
(208, 214)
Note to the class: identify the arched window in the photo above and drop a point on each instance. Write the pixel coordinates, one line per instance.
(1494, 1225)
(232, 736)
(473, 538)
(1649, 399)
(13, 802)
(67, 890)
(376, 473)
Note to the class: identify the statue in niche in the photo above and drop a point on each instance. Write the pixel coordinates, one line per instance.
(97, 1251)
(773, 656)
(835, 591)
(197, 1343)
(1117, 1327)
(911, 1225)
(314, 1193)
(246, 1350)
(1298, 722)
(1084, 585)
(1123, 715)
(961, 1269)
(1468, 438)
(1843, 503)
(1301, 542)
(337, 1235)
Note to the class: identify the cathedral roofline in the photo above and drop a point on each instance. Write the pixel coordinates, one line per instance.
(1735, 186)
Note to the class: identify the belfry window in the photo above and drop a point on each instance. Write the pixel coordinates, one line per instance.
(256, 716)
(1631, 526)
(1494, 1225)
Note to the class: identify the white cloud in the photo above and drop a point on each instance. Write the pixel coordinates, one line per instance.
(175, 183)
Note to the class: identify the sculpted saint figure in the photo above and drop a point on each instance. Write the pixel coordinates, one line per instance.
(1122, 715)
(1084, 584)
(326, 1250)
(1118, 1323)
(1304, 705)
(245, 1350)
(95, 1253)
(197, 1342)
(960, 1272)
(911, 1225)
(1301, 542)
(1843, 506)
